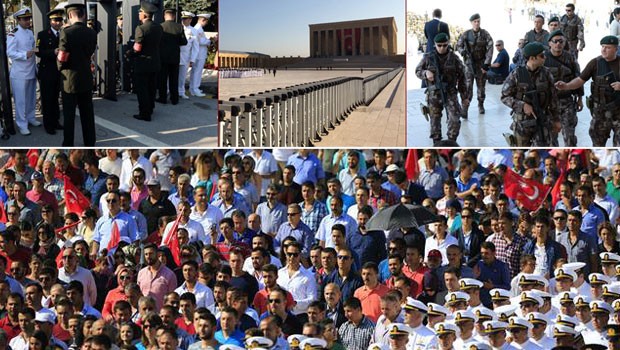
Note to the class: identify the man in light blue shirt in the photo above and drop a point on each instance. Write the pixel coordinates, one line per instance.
(307, 167)
(103, 229)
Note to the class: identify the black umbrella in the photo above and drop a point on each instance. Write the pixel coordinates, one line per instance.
(401, 215)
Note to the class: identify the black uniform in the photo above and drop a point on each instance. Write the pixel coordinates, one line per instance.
(147, 64)
(173, 37)
(79, 42)
(49, 79)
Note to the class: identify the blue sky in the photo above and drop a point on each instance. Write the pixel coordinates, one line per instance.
(280, 27)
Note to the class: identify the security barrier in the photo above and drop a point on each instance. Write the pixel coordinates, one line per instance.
(295, 116)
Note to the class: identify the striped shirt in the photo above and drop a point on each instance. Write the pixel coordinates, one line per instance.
(356, 337)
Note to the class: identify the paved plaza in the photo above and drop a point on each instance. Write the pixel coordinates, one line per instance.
(191, 123)
(235, 87)
(382, 124)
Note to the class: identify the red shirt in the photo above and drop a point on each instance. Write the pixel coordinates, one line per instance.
(260, 301)
(11, 330)
(390, 283)
(75, 175)
(22, 254)
(224, 249)
(417, 276)
(61, 333)
(189, 328)
(371, 300)
(116, 294)
(43, 198)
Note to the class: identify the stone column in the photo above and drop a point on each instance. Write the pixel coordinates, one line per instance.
(311, 44)
(362, 41)
(319, 43)
(334, 43)
(353, 42)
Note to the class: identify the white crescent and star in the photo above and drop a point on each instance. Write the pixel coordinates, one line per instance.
(531, 197)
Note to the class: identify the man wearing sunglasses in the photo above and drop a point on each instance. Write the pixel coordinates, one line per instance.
(48, 73)
(529, 92)
(572, 26)
(443, 64)
(565, 67)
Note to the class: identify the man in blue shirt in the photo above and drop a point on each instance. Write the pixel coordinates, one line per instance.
(499, 68)
(492, 272)
(592, 214)
(229, 334)
(307, 167)
(95, 181)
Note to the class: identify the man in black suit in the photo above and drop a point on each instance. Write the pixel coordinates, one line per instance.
(49, 75)
(434, 27)
(76, 46)
(470, 238)
(171, 41)
(147, 62)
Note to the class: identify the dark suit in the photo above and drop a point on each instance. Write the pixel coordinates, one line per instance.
(147, 64)
(432, 28)
(172, 39)
(477, 237)
(49, 78)
(79, 42)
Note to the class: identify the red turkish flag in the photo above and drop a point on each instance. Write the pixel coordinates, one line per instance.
(75, 201)
(411, 164)
(115, 236)
(530, 193)
(172, 242)
(555, 192)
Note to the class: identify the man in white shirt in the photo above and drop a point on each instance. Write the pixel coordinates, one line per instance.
(440, 240)
(134, 160)
(71, 271)
(204, 294)
(420, 336)
(266, 166)
(194, 228)
(297, 280)
(208, 216)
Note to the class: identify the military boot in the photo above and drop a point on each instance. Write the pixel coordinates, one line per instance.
(464, 112)
(510, 139)
(481, 107)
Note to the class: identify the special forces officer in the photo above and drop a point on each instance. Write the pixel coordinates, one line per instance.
(476, 48)
(604, 103)
(529, 92)
(572, 26)
(49, 75)
(565, 68)
(444, 74)
(538, 34)
(21, 50)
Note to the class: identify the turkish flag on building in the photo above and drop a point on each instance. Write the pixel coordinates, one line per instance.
(173, 243)
(555, 191)
(530, 193)
(75, 201)
(411, 165)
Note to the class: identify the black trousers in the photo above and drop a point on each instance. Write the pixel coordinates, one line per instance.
(145, 86)
(169, 81)
(83, 101)
(50, 89)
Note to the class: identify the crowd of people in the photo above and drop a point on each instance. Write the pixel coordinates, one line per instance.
(277, 249)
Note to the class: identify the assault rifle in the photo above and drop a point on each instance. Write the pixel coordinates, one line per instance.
(609, 79)
(543, 136)
(437, 84)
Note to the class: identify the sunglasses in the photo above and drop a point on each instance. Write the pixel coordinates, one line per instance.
(558, 41)
(292, 255)
(277, 301)
(111, 200)
(343, 257)
(123, 277)
(441, 45)
(559, 218)
(292, 214)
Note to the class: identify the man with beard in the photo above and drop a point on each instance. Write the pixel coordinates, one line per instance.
(446, 64)
(10, 323)
(205, 331)
(155, 279)
(290, 323)
(203, 294)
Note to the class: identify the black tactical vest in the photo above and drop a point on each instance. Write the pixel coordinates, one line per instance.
(560, 70)
(525, 84)
(477, 47)
(602, 93)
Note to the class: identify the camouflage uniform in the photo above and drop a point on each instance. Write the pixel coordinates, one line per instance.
(452, 73)
(605, 103)
(477, 51)
(573, 30)
(533, 36)
(565, 68)
(526, 128)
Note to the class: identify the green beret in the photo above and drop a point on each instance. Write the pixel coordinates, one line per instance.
(533, 49)
(555, 33)
(610, 40)
(147, 7)
(554, 19)
(443, 37)
(474, 17)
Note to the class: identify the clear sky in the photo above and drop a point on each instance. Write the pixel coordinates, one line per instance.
(280, 27)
